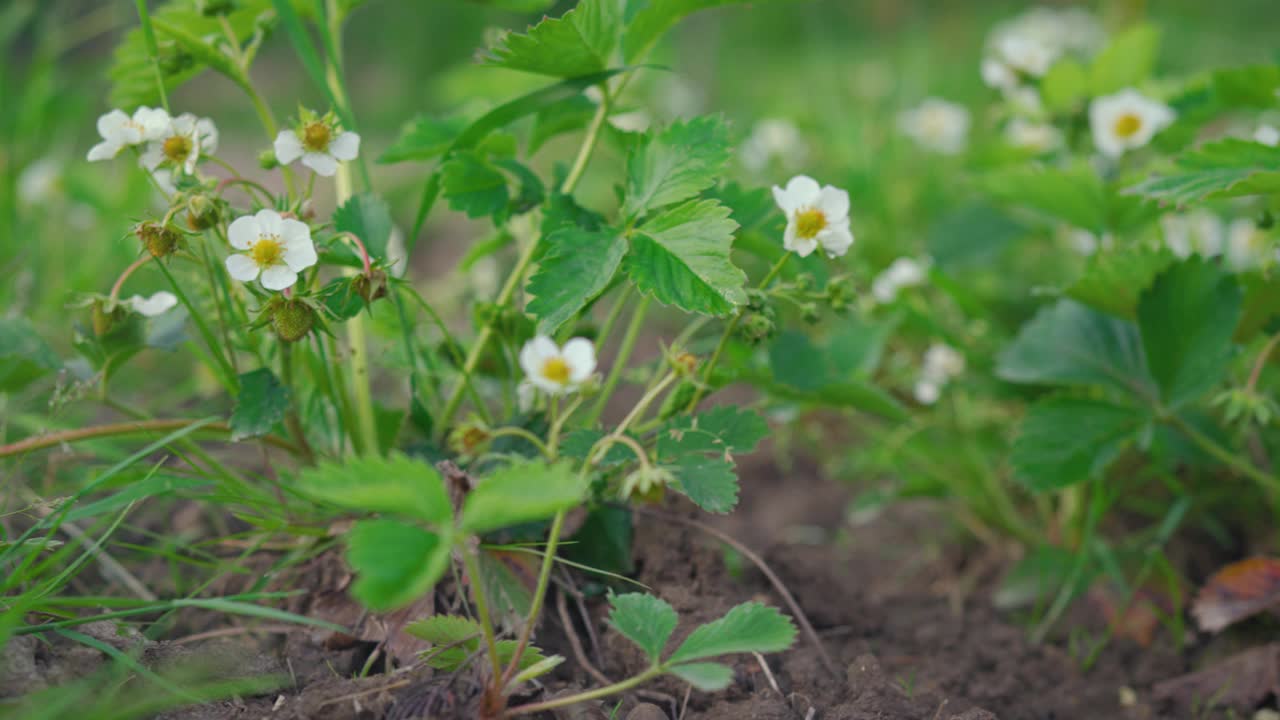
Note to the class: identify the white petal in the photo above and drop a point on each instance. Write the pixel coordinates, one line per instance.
(112, 123)
(793, 243)
(184, 124)
(152, 306)
(154, 122)
(152, 156)
(243, 232)
(836, 240)
(269, 222)
(834, 204)
(322, 163)
(926, 392)
(580, 353)
(208, 133)
(288, 147)
(534, 354)
(801, 191)
(242, 267)
(299, 253)
(278, 277)
(548, 386)
(104, 150)
(345, 147)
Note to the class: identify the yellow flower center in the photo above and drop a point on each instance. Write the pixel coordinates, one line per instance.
(177, 148)
(1128, 124)
(316, 136)
(268, 251)
(556, 370)
(810, 222)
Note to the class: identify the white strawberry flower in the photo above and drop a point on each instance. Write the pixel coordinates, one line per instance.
(1267, 135)
(119, 131)
(817, 216)
(1026, 53)
(1199, 231)
(181, 143)
(272, 246)
(998, 75)
(1034, 136)
(1247, 245)
(319, 144)
(1126, 120)
(902, 273)
(941, 364)
(937, 125)
(558, 370)
(774, 138)
(157, 304)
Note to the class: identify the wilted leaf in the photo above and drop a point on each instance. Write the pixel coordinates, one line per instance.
(1236, 592)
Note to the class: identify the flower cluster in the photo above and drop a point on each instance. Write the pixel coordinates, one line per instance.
(1025, 47)
(172, 143)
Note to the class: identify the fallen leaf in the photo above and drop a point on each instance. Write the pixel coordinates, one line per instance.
(1237, 591)
(1240, 682)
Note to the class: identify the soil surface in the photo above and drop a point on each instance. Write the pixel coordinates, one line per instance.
(902, 606)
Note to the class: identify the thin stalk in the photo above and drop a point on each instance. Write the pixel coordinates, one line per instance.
(700, 391)
(149, 36)
(124, 428)
(605, 691)
(357, 340)
(615, 312)
(291, 419)
(453, 345)
(1261, 362)
(1209, 445)
(539, 594)
(588, 144)
(620, 363)
(228, 371)
(520, 432)
(482, 610)
(115, 289)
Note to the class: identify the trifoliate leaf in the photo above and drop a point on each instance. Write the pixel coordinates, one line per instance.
(722, 430)
(1187, 320)
(424, 137)
(578, 266)
(457, 639)
(1226, 168)
(675, 164)
(1113, 279)
(710, 482)
(474, 186)
(749, 627)
(367, 217)
(645, 620)
(24, 355)
(260, 404)
(681, 258)
(395, 563)
(578, 444)
(579, 43)
(1126, 62)
(395, 484)
(1069, 344)
(1064, 441)
(706, 676)
(523, 492)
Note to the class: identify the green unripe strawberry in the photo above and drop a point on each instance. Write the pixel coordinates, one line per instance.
(292, 320)
(158, 239)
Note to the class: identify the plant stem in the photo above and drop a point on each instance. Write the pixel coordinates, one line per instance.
(539, 594)
(588, 144)
(1261, 362)
(1209, 445)
(357, 341)
(700, 391)
(619, 363)
(115, 289)
(588, 695)
(149, 36)
(523, 434)
(124, 428)
(228, 371)
(291, 419)
(482, 609)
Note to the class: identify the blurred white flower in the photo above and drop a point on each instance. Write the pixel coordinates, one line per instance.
(774, 139)
(1267, 135)
(998, 75)
(278, 248)
(164, 183)
(937, 125)
(1025, 53)
(1126, 120)
(526, 395)
(634, 121)
(1248, 246)
(557, 370)
(157, 304)
(319, 144)
(1025, 101)
(817, 216)
(1085, 242)
(397, 252)
(38, 182)
(1030, 43)
(902, 273)
(941, 364)
(1199, 231)
(181, 143)
(119, 131)
(1035, 136)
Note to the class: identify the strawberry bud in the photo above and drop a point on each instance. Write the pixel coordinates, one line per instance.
(159, 240)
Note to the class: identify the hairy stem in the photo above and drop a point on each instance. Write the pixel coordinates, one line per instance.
(482, 608)
(539, 594)
(605, 691)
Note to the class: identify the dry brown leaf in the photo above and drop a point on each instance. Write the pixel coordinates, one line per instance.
(1240, 682)
(1237, 591)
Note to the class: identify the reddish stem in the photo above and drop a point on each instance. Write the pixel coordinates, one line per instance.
(115, 289)
(364, 253)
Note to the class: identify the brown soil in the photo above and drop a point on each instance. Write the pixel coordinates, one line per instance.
(902, 607)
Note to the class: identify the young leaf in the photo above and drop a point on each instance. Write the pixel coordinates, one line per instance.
(523, 492)
(457, 639)
(260, 404)
(395, 563)
(1225, 168)
(367, 217)
(395, 484)
(1187, 320)
(749, 627)
(645, 620)
(475, 187)
(578, 266)
(24, 355)
(723, 430)
(1126, 62)
(681, 258)
(675, 164)
(706, 676)
(709, 482)
(1069, 344)
(1065, 440)
(579, 43)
